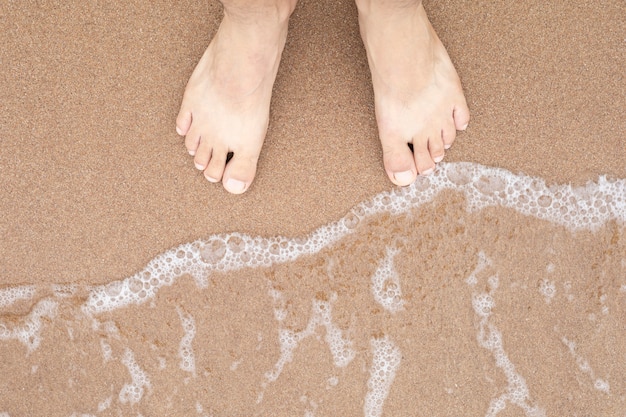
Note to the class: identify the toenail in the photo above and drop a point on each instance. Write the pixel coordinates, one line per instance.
(211, 179)
(235, 186)
(447, 146)
(191, 152)
(438, 159)
(180, 132)
(428, 171)
(404, 177)
(199, 166)
(465, 126)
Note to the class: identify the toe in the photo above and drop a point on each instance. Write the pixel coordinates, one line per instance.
(398, 161)
(192, 140)
(423, 161)
(448, 133)
(461, 115)
(240, 171)
(183, 122)
(436, 147)
(202, 155)
(215, 168)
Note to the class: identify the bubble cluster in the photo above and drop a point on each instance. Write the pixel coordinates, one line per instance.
(133, 392)
(585, 207)
(321, 315)
(386, 284)
(28, 330)
(103, 405)
(185, 350)
(10, 295)
(385, 362)
(490, 338)
(547, 288)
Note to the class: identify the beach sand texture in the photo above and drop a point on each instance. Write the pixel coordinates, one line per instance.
(129, 285)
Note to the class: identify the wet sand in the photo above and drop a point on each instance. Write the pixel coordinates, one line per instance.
(96, 183)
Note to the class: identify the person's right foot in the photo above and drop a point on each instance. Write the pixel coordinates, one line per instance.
(226, 103)
(418, 95)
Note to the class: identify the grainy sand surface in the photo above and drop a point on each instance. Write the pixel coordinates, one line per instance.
(95, 184)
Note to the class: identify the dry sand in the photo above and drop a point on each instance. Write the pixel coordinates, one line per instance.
(95, 183)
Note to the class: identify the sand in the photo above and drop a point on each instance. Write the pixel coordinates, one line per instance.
(95, 183)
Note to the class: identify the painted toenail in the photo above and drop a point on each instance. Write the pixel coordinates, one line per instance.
(404, 177)
(438, 159)
(235, 186)
(180, 132)
(428, 171)
(198, 166)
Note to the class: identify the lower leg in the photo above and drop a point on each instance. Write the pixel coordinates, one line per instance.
(225, 108)
(418, 95)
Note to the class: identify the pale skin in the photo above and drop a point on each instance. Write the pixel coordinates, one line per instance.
(418, 95)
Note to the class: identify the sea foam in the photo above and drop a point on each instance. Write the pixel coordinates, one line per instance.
(577, 208)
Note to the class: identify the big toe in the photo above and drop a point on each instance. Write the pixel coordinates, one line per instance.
(398, 160)
(240, 172)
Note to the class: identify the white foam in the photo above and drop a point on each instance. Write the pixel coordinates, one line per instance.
(133, 392)
(321, 315)
(106, 403)
(107, 352)
(483, 262)
(28, 331)
(577, 208)
(385, 363)
(584, 366)
(386, 284)
(490, 338)
(10, 295)
(185, 350)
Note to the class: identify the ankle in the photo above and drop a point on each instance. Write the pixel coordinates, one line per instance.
(274, 12)
(365, 7)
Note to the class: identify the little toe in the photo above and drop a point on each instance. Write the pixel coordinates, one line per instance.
(461, 115)
(183, 122)
(423, 161)
(215, 168)
(240, 172)
(398, 161)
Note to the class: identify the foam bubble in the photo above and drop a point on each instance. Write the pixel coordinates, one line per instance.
(185, 350)
(386, 284)
(133, 392)
(385, 362)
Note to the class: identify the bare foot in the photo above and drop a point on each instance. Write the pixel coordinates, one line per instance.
(226, 104)
(418, 94)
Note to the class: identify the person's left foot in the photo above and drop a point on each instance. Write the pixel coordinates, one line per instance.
(418, 94)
